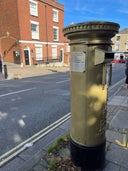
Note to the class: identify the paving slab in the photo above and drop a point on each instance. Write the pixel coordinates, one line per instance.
(13, 165)
(119, 101)
(120, 120)
(112, 136)
(118, 155)
(112, 167)
(66, 126)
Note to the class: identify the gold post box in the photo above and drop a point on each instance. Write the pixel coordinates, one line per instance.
(91, 50)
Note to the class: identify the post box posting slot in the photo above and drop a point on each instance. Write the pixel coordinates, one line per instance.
(105, 58)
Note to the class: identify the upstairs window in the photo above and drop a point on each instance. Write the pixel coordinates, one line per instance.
(55, 33)
(35, 30)
(33, 8)
(117, 38)
(55, 15)
(126, 46)
(117, 47)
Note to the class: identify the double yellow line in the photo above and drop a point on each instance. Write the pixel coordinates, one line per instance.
(21, 147)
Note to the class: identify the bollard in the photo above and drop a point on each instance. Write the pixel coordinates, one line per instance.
(90, 52)
(0, 66)
(5, 72)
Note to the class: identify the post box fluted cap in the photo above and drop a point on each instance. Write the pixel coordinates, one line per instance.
(92, 27)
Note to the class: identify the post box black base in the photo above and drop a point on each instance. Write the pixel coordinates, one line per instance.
(88, 158)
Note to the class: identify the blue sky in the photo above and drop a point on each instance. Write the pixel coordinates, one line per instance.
(100, 10)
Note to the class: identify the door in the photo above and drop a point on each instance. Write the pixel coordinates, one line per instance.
(26, 55)
(61, 55)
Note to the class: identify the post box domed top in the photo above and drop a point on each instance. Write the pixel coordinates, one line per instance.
(92, 27)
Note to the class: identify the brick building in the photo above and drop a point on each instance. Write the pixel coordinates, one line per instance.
(31, 32)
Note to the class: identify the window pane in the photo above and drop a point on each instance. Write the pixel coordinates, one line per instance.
(118, 38)
(126, 46)
(117, 47)
(39, 53)
(54, 52)
(55, 15)
(55, 34)
(68, 48)
(33, 9)
(34, 27)
(35, 31)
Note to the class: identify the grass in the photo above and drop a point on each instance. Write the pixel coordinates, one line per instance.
(57, 143)
(52, 148)
(52, 163)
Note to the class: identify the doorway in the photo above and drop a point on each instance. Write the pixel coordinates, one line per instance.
(61, 55)
(26, 56)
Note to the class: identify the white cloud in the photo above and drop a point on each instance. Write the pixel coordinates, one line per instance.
(125, 11)
(107, 10)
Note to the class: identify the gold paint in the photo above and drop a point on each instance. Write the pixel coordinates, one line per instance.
(88, 88)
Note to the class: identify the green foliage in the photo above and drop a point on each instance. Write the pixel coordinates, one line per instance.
(52, 148)
(59, 141)
(51, 164)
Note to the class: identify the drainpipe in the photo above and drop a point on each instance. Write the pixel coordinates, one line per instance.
(46, 32)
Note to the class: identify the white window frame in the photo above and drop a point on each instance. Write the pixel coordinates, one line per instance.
(117, 46)
(54, 52)
(118, 37)
(39, 52)
(55, 33)
(55, 15)
(67, 48)
(126, 46)
(34, 9)
(35, 33)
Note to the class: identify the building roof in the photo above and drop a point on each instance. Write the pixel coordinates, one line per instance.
(124, 31)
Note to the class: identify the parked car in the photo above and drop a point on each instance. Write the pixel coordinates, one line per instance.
(122, 61)
(119, 58)
(115, 60)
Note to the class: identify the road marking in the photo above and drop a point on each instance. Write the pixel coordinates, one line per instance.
(35, 82)
(16, 92)
(21, 147)
(59, 82)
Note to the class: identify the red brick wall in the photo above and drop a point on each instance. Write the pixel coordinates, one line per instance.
(24, 19)
(9, 18)
(16, 20)
(8, 23)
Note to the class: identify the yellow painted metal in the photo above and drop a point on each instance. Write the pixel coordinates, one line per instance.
(88, 85)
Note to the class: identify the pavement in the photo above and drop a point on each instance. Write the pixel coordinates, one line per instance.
(32, 157)
(18, 72)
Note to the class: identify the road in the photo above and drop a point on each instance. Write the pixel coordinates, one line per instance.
(118, 72)
(29, 105)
